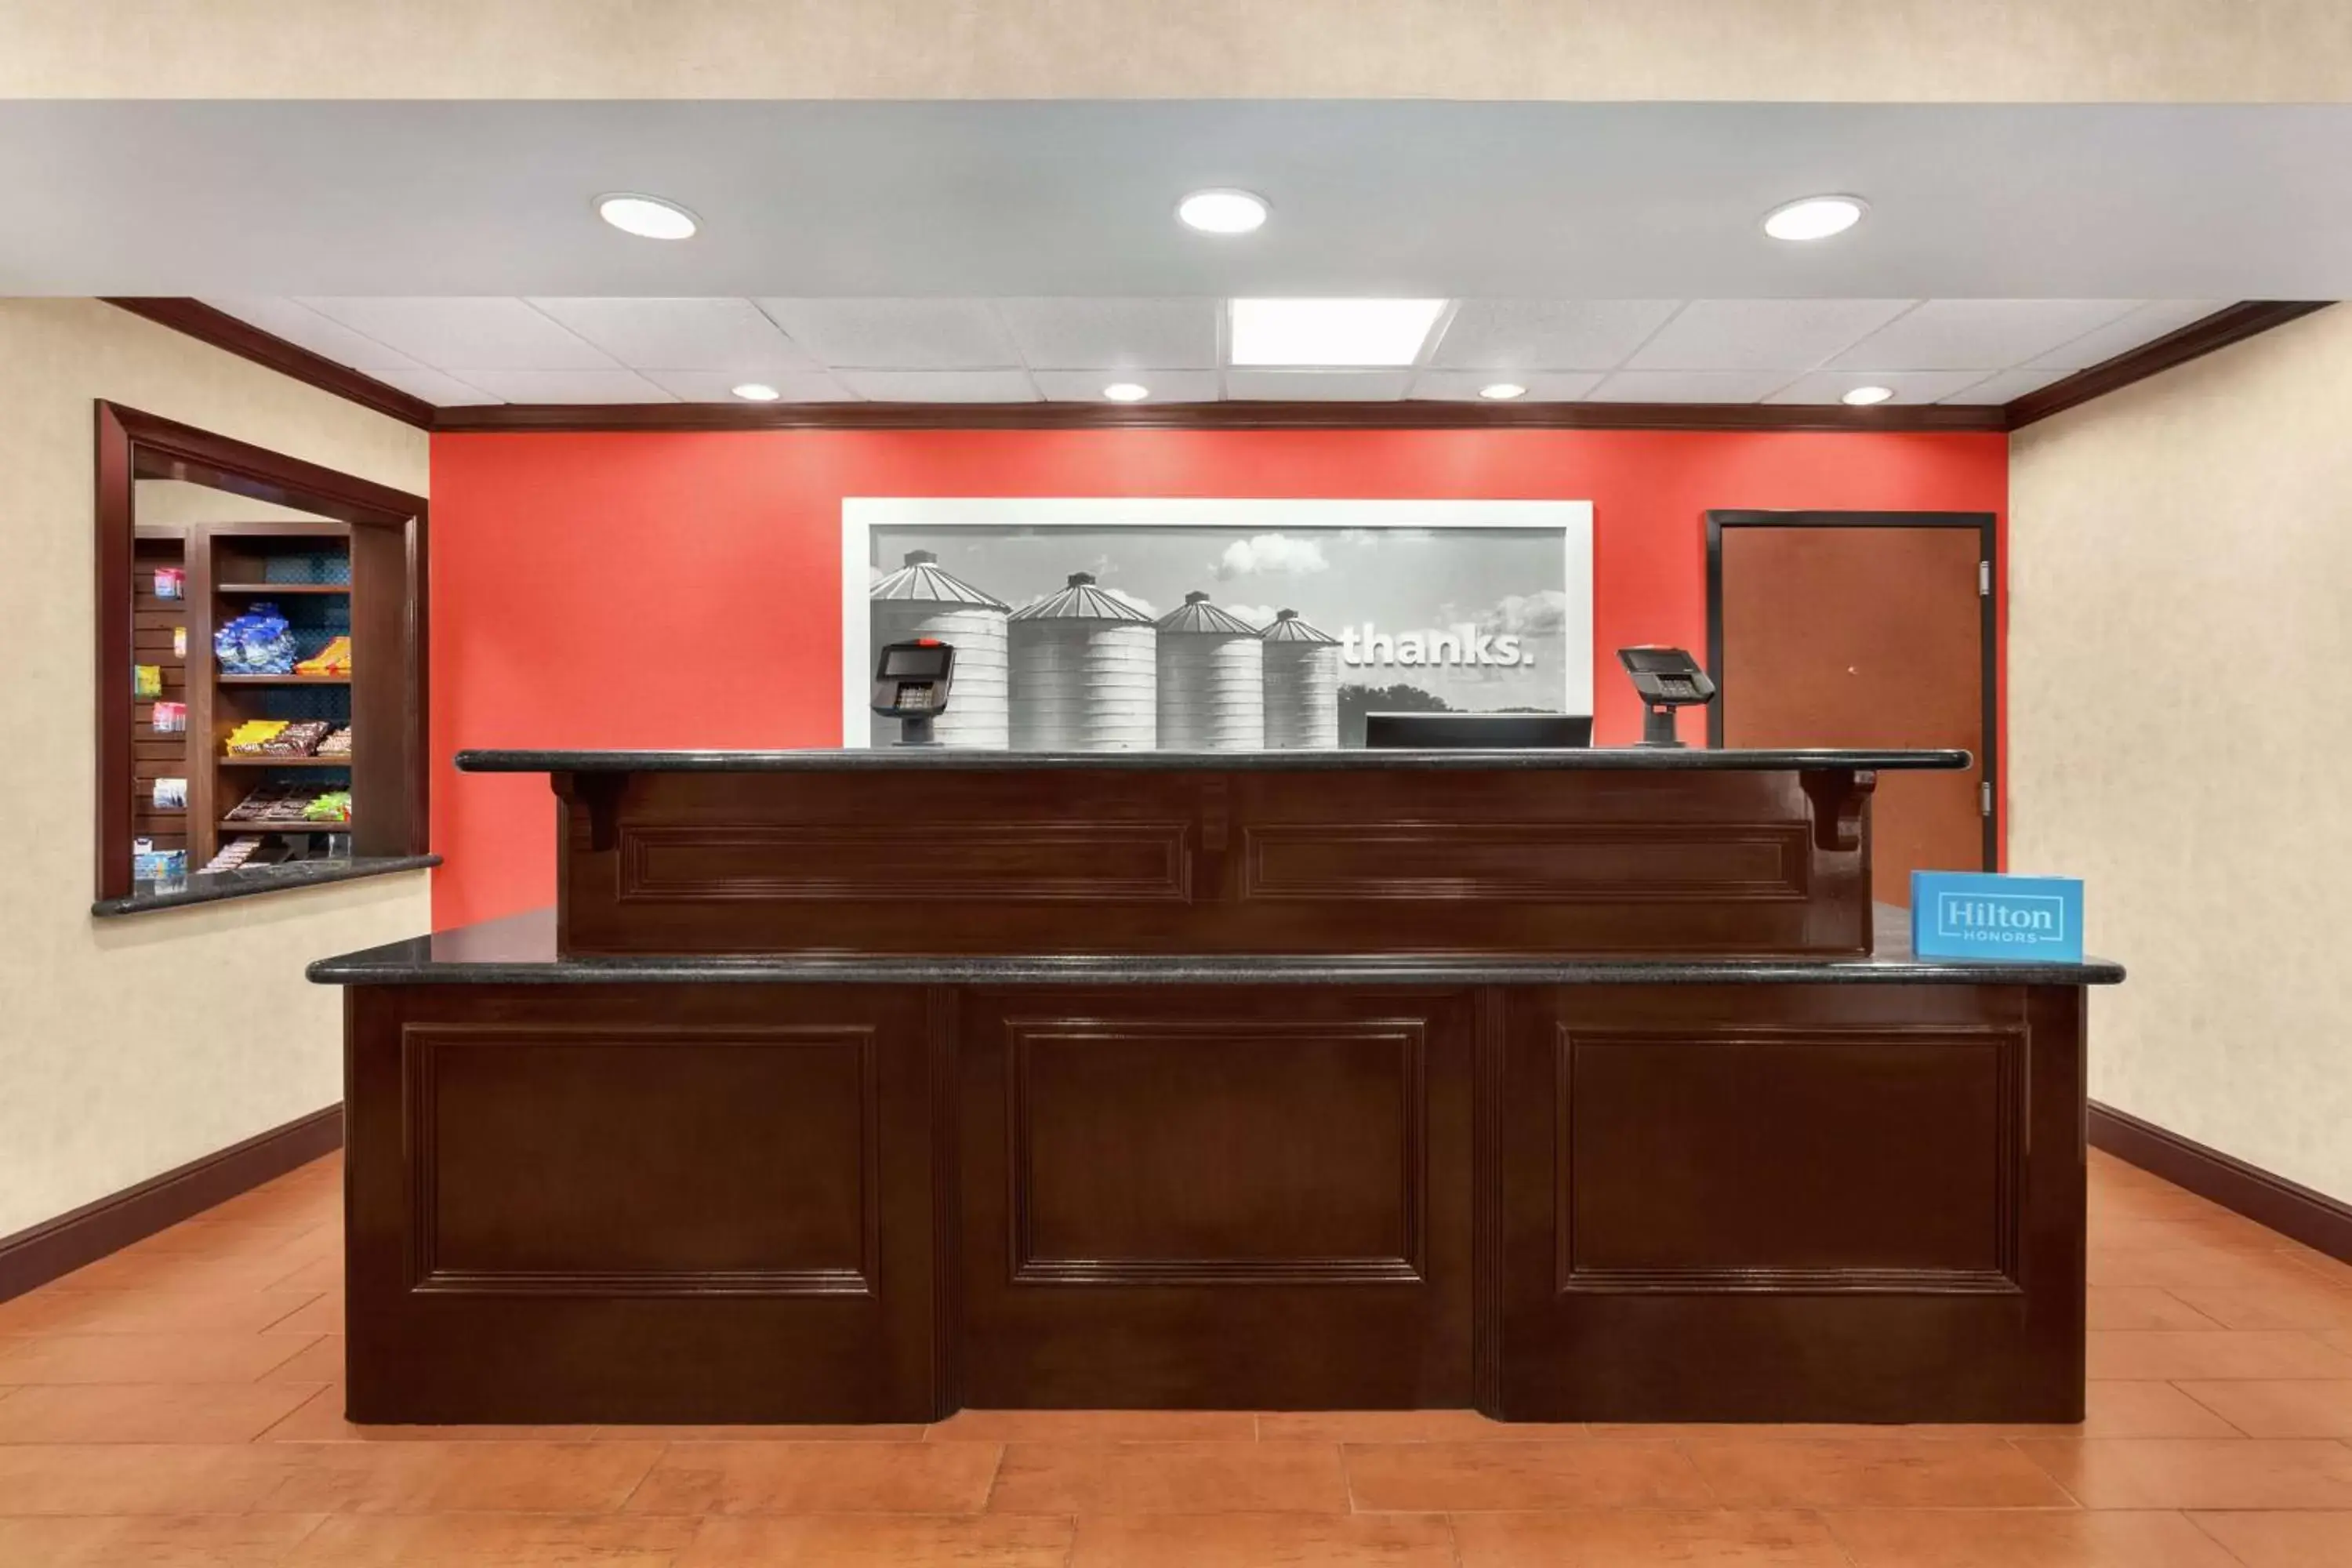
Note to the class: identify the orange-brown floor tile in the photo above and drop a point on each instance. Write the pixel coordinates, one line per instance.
(2025, 1538)
(2198, 1472)
(2313, 1304)
(1259, 1539)
(1614, 1538)
(1933, 1472)
(196, 1540)
(2228, 1269)
(2119, 1408)
(2282, 1540)
(320, 1359)
(144, 1412)
(2144, 1306)
(2259, 1409)
(2229, 1353)
(1170, 1477)
(1405, 1427)
(318, 1417)
(454, 1477)
(493, 1541)
(135, 1477)
(1100, 1426)
(198, 1357)
(878, 1432)
(321, 1314)
(883, 1541)
(1418, 1477)
(818, 1477)
(56, 1311)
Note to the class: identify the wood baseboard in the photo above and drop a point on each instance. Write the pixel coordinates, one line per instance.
(2293, 1210)
(57, 1247)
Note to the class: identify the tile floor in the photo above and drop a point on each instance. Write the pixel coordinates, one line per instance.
(178, 1404)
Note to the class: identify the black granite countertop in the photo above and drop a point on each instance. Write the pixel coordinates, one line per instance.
(1343, 759)
(520, 951)
(212, 887)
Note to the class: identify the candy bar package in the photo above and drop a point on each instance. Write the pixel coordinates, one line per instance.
(170, 795)
(169, 719)
(147, 680)
(170, 582)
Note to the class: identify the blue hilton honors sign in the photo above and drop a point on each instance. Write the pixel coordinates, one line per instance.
(1974, 914)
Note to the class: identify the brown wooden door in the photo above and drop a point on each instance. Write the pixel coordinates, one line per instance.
(1841, 629)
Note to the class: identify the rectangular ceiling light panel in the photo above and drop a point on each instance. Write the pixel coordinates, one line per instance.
(1330, 331)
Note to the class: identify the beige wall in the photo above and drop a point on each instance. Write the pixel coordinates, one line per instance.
(2279, 51)
(131, 1045)
(2190, 539)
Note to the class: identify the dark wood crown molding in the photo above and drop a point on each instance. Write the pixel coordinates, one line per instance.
(2247, 319)
(223, 331)
(2232, 325)
(510, 418)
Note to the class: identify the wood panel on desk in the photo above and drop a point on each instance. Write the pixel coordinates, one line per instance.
(1840, 1204)
(1216, 1199)
(640, 1204)
(1199, 861)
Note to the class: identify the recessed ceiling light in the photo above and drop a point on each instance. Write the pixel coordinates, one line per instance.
(1864, 396)
(650, 217)
(1502, 391)
(1127, 391)
(1815, 217)
(1222, 212)
(757, 392)
(1330, 331)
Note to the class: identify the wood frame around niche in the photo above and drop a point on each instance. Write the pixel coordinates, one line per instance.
(389, 534)
(2232, 325)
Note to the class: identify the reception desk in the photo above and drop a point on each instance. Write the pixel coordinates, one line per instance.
(864, 1086)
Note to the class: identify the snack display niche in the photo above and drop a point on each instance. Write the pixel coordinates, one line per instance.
(289, 793)
(332, 567)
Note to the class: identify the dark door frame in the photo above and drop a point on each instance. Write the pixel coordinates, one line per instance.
(1987, 552)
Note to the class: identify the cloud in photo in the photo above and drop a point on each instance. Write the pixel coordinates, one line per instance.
(1270, 552)
(1260, 615)
(1538, 615)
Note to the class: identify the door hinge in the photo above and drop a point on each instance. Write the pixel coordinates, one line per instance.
(1984, 799)
(1984, 579)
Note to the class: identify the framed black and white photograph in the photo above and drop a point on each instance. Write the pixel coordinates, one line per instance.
(1120, 625)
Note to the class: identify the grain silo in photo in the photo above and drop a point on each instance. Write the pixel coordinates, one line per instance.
(920, 600)
(1302, 684)
(1084, 673)
(1212, 680)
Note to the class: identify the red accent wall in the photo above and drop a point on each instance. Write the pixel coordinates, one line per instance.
(684, 590)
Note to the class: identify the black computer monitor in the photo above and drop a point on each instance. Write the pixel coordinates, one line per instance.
(1477, 731)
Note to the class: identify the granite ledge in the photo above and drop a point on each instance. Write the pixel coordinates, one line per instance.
(1346, 759)
(245, 883)
(520, 951)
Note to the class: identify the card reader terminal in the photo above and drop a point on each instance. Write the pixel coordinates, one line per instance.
(1664, 679)
(911, 685)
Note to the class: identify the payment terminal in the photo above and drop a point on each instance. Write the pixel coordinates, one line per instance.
(1664, 679)
(911, 685)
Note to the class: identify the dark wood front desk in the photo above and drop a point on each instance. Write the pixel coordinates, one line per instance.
(866, 1086)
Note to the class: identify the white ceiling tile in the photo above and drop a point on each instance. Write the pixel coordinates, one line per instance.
(1165, 385)
(569, 385)
(1547, 334)
(439, 390)
(1543, 385)
(1689, 386)
(1977, 334)
(2003, 387)
(467, 333)
(1762, 334)
(680, 334)
(940, 385)
(897, 334)
(1113, 334)
(719, 385)
(2143, 324)
(1317, 385)
(1908, 385)
(304, 326)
